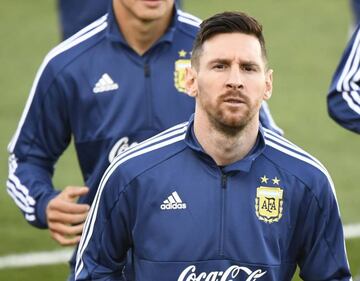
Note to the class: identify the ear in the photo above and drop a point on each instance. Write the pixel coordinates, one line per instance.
(191, 82)
(268, 84)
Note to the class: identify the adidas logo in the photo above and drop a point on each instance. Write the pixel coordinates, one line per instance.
(105, 84)
(173, 202)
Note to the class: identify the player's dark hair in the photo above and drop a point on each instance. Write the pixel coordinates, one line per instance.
(226, 22)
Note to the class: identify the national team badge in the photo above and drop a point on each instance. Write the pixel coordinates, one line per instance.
(179, 74)
(269, 203)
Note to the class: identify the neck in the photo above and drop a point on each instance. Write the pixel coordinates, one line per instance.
(222, 147)
(140, 34)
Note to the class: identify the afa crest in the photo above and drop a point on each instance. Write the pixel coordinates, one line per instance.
(179, 74)
(269, 203)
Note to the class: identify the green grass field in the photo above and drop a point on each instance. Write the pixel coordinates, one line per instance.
(305, 40)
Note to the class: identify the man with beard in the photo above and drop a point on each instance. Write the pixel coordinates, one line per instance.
(115, 83)
(218, 197)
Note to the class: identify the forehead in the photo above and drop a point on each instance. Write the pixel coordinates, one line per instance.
(240, 46)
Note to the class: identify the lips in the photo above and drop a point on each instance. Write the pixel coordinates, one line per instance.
(234, 100)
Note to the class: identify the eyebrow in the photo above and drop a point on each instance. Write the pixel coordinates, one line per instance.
(228, 61)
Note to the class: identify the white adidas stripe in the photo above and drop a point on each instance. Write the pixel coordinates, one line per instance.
(188, 21)
(90, 221)
(74, 40)
(311, 158)
(355, 95)
(18, 192)
(19, 198)
(350, 102)
(352, 71)
(349, 66)
(20, 188)
(305, 159)
(275, 137)
(189, 16)
(345, 83)
(18, 201)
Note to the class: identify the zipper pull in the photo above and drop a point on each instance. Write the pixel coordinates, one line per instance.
(223, 180)
(146, 70)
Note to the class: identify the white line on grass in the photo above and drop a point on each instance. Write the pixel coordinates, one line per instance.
(352, 231)
(35, 258)
(62, 256)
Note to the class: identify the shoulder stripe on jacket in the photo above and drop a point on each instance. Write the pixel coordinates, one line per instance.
(296, 152)
(189, 16)
(164, 139)
(350, 101)
(351, 65)
(349, 75)
(188, 21)
(280, 139)
(74, 40)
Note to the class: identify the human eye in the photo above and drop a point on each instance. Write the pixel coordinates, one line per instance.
(219, 66)
(249, 67)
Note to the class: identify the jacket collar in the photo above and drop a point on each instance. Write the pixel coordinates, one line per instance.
(243, 165)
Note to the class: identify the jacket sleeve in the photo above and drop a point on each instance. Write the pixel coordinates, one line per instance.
(322, 251)
(106, 237)
(42, 135)
(267, 121)
(343, 99)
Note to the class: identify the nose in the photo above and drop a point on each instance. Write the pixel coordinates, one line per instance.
(234, 80)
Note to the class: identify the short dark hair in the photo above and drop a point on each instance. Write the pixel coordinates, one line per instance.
(227, 22)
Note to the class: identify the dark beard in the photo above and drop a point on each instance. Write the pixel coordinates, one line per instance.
(226, 129)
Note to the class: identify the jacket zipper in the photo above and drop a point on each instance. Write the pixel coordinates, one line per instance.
(222, 214)
(147, 74)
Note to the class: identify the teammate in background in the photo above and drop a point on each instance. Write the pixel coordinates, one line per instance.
(355, 11)
(113, 84)
(343, 99)
(76, 14)
(219, 197)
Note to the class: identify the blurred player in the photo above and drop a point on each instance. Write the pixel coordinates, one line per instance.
(219, 197)
(343, 99)
(113, 84)
(355, 11)
(76, 14)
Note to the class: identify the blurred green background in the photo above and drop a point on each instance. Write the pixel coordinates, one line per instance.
(305, 40)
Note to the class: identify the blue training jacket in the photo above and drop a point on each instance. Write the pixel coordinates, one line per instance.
(186, 219)
(95, 89)
(343, 99)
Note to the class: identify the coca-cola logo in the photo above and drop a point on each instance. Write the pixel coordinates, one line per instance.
(120, 146)
(189, 274)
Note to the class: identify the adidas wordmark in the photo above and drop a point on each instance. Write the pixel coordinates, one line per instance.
(173, 202)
